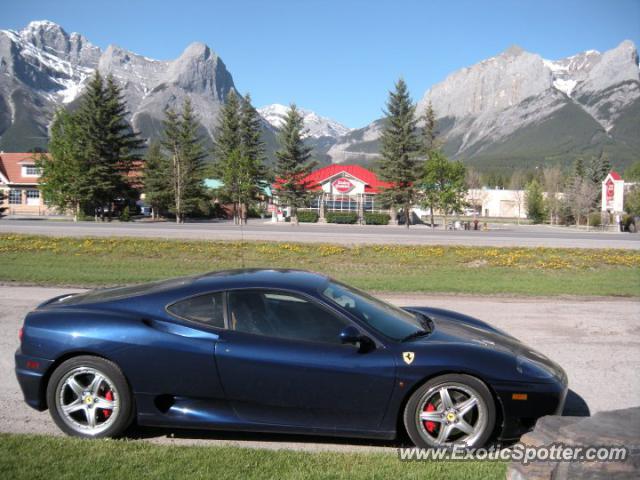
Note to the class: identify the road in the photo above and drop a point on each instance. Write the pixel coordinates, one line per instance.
(597, 341)
(499, 236)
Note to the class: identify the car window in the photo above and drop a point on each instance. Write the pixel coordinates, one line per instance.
(282, 315)
(383, 317)
(203, 308)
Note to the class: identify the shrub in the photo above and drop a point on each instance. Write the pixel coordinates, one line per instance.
(307, 216)
(342, 217)
(595, 219)
(125, 215)
(534, 202)
(377, 218)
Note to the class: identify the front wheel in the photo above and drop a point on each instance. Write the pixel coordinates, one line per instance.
(448, 410)
(89, 397)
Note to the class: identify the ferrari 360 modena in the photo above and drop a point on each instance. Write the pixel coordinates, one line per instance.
(279, 351)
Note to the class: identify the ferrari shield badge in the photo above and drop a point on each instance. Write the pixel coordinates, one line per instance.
(408, 357)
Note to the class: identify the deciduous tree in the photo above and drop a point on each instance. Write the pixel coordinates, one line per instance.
(535, 201)
(65, 180)
(444, 183)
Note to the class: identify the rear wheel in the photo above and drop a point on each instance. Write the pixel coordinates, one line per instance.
(448, 410)
(89, 397)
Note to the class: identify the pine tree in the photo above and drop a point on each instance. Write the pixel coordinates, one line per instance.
(110, 146)
(598, 168)
(92, 139)
(226, 151)
(252, 170)
(184, 145)
(578, 168)
(400, 150)
(65, 181)
(429, 147)
(2, 200)
(157, 180)
(124, 144)
(293, 163)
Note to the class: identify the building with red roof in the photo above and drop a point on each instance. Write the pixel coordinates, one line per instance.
(343, 188)
(19, 179)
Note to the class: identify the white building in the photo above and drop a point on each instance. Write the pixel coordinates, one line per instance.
(613, 193)
(490, 202)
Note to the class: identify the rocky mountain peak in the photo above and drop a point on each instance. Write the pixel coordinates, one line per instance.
(316, 125)
(513, 51)
(491, 85)
(199, 69)
(53, 39)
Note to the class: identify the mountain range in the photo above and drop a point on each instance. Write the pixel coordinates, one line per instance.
(513, 109)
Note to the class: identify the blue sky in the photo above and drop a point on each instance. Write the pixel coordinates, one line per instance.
(340, 58)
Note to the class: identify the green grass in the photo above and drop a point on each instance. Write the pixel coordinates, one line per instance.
(479, 270)
(32, 457)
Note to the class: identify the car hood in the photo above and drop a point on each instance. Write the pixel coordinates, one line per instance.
(455, 328)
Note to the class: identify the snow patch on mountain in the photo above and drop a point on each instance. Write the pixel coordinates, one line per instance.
(316, 125)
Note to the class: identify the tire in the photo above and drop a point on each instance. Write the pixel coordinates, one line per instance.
(434, 418)
(89, 397)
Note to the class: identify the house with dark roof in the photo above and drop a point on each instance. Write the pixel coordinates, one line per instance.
(19, 180)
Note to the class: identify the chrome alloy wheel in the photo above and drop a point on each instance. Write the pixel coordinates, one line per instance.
(87, 400)
(451, 413)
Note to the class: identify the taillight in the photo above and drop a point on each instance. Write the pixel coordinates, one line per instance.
(20, 334)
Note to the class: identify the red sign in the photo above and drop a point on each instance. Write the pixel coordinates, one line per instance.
(610, 186)
(343, 185)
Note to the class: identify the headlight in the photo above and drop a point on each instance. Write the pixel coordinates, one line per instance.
(531, 368)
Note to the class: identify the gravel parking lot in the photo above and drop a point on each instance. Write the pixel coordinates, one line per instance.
(597, 341)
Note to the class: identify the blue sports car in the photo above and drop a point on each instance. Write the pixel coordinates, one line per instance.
(279, 351)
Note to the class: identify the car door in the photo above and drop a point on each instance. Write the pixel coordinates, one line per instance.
(281, 362)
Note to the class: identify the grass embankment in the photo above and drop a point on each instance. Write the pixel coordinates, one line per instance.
(32, 457)
(480, 270)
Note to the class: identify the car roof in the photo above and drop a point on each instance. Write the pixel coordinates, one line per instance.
(261, 277)
(286, 279)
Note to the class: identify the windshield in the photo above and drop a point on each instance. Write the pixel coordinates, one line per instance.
(390, 321)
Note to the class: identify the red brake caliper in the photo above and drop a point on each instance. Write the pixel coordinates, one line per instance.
(430, 426)
(107, 396)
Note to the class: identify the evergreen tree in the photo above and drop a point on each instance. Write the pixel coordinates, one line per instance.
(124, 145)
(227, 151)
(182, 141)
(157, 180)
(65, 181)
(598, 168)
(110, 146)
(632, 173)
(3, 197)
(579, 170)
(535, 202)
(430, 147)
(252, 170)
(400, 149)
(293, 163)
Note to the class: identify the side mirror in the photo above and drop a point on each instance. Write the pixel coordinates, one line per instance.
(351, 335)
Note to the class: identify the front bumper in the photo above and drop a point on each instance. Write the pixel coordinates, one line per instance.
(31, 373)
(520, 416)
